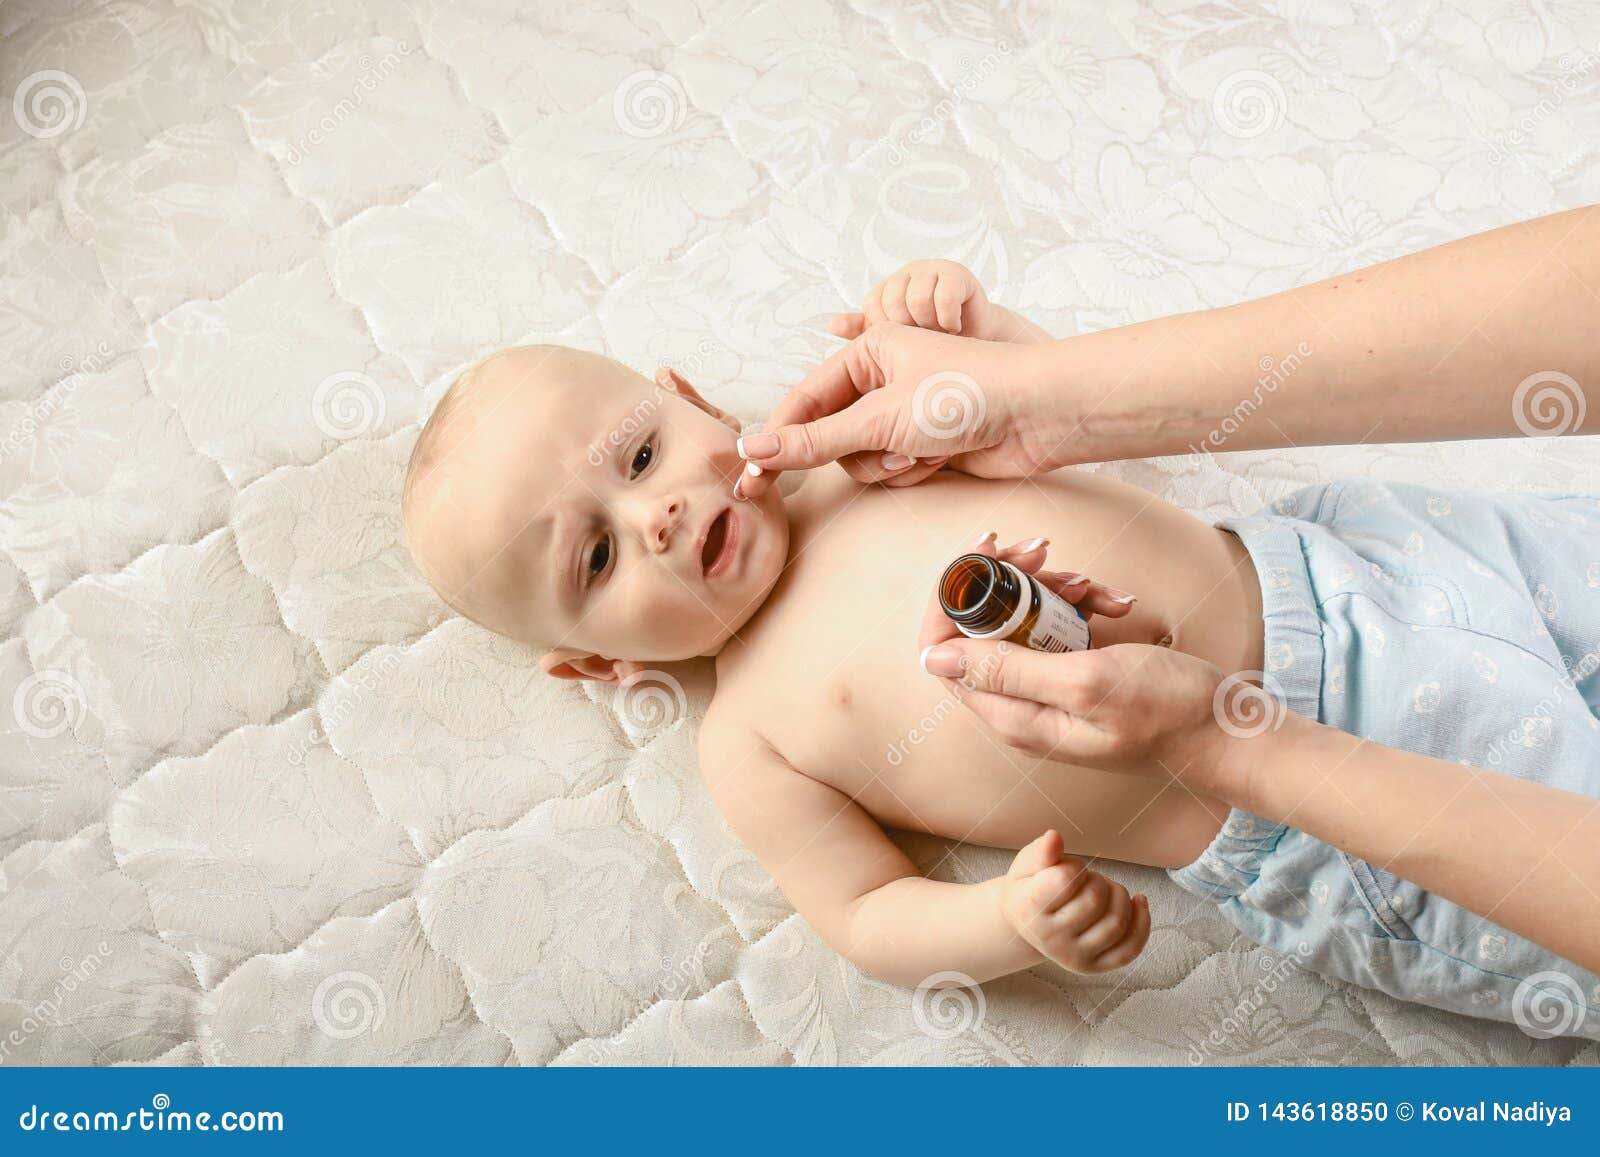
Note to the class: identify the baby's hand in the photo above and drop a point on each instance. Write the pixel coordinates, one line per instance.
(928, 294)
(1077, 917)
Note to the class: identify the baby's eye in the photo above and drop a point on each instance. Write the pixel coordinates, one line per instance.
(599, 557)
(642, 459)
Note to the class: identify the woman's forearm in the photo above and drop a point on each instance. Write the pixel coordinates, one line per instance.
(1008, 325)
(1521, 854)
(1430, 346)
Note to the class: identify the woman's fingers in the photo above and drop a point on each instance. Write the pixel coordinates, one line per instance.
(1080, 590)
(1087, 595)
(1071, 681)
(839, 382)
(835, 411)
(1026, 555)
(916, 472)
(888, 468)
(1036, 729)
(753, 482)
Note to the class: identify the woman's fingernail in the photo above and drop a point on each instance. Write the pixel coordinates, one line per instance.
(944, 661)
(1122, 597)
(897, 461)
(985, 540)
(757, 445)
(753, 470)
(1032, 545)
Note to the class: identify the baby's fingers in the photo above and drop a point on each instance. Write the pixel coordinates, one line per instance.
(1107, 932)
(919, 300)
(1132, 942)
(848, 325)
(1050, 889)
(872, 307)
(893, 300)
(948, 298)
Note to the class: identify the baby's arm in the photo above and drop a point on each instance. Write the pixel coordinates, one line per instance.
(943, 295)
(867, 900)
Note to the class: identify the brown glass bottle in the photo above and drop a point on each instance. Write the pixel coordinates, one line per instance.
(989, 599)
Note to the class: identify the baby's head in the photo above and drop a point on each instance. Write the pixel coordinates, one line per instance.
(560, 499)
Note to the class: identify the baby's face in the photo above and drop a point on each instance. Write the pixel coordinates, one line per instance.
(602, 516)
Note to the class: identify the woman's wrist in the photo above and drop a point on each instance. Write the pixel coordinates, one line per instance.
(1114, 394)
(1077, 407)
(1239, 768)
(1047, 415)
(1224, 765)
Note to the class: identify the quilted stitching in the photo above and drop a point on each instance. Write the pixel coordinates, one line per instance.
(268, 801)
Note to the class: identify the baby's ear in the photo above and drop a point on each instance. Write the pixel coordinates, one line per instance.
(670, 379)
(566, 663)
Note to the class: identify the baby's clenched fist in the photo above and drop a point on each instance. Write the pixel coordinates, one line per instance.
(1077, 917)
(929, 294)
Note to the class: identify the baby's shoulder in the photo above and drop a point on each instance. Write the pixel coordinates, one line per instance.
(744, 684)
(723, 730)
(743, 773)
(729, 736)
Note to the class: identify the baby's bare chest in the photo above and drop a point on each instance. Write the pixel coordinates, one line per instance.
(829, 671)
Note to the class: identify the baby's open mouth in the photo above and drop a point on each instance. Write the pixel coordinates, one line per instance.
(717, 543)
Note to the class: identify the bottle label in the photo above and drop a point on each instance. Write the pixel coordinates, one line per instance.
(1058, 626)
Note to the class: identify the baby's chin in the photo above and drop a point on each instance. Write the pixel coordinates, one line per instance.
(705, 636)
(706, 630)
(763, 566)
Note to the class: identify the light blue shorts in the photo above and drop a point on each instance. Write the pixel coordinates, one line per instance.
(1461, 626)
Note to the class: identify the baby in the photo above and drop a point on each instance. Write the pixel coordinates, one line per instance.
(563, 500)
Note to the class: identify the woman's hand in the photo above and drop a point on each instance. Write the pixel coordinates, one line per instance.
(1130, 707)
(897, 403)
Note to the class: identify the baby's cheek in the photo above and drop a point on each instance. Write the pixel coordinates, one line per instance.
(662, 619)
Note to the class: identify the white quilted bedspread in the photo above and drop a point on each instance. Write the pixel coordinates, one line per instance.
(264, 800)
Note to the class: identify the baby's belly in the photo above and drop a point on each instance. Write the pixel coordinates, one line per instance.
(916, 759)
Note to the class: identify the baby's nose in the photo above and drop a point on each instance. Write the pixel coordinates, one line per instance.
(668, 518)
